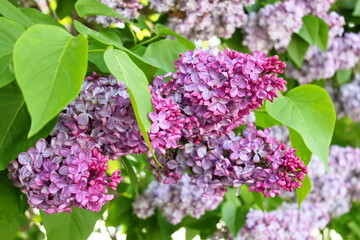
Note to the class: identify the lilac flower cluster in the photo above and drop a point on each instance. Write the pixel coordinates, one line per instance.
(69, 171)
(254, 158)
(329, 190)
(127, 8)
(350, 98)
(203, 19)
(287, 222)
(273, 26)
(98, 125)
(201, 100)
(174, 200)
(342, 53)
(216, 92)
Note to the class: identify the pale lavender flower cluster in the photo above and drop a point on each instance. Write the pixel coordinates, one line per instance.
(175, 201)
(273, 26)
(216, 92)
(203, 19)
(342, 53)
(127, 8)
(350, 98)
(254, 158)
(287, 223)
(345, 162)
(316, 7)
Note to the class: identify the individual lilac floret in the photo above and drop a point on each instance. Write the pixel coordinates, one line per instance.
(174, 200)
(287, 222)
(273, 26)
(253, 158)
(203, 19)
(216, 92)
(59, 175)
(350, 98)
(127, 8)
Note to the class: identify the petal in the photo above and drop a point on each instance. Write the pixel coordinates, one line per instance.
(24, 158)
(41, 145)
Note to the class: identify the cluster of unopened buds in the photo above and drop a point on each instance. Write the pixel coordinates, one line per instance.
(192, 122)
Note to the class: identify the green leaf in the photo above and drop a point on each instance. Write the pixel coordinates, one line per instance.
(343, 76)
(297, 142)
(64, 8)
(15, 125)
(301, 193)
(314, 31)
(38, 17)
(264, 120)
(9, 32)
(162, 30)
(9, 199)
(125, 70)
(259, 200)
(307, 109)
(164, 60)
(97, 58)
(310, 29)
(11, 12)
(297, 49)
(356, 12)
(132, 174)
(93, 7)
(77, 225)
(144, 65)
(233, 213)
(50, 66)
(305, 155)
(191, 233)
(323, 35)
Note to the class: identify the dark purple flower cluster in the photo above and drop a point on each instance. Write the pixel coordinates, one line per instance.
(254, 158)
(216, 92)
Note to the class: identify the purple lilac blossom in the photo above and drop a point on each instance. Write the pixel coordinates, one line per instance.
(350, 98)
(127, 8)
(216, 92)
(174, 200)
(69, 171)
(286, 223)
(203, 19)
(273, 26)
(254, 158)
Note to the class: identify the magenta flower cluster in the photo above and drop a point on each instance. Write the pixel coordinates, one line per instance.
(216, 92)
(254, 158)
